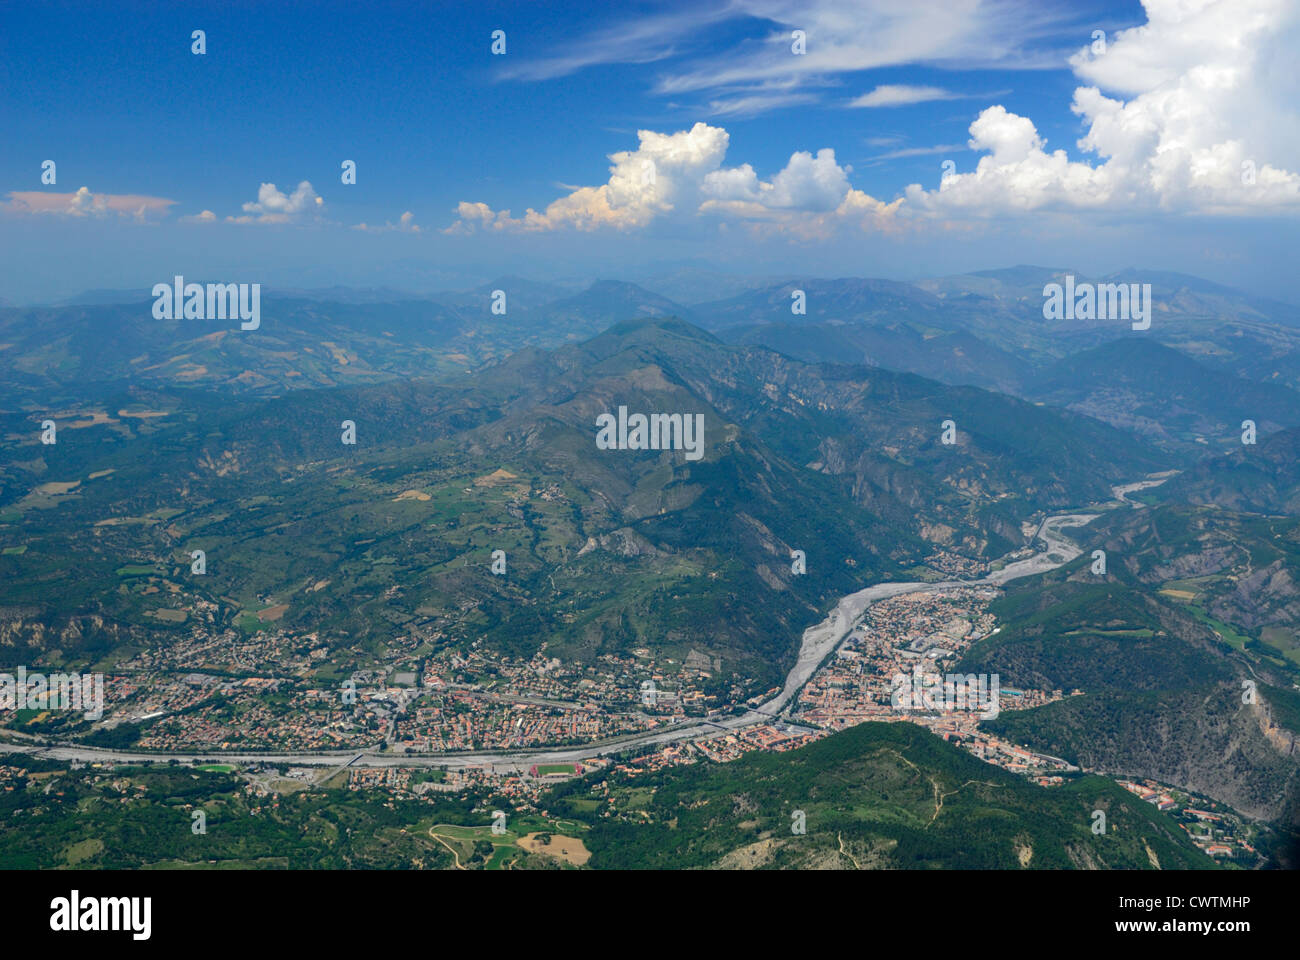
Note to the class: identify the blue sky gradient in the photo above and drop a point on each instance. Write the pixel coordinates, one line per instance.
(412, 93)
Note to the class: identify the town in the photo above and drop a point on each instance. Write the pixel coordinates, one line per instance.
(462, 698)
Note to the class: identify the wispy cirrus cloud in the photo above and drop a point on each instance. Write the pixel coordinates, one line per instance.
(647, 39)
(1209, 127)
(762, 72)
(753, 104)
(904, 95)
(921, 151)
(901, 95)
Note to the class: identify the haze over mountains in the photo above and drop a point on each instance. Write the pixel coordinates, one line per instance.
(841, 406)
(985, 329)
(843, 462)
(824, 432)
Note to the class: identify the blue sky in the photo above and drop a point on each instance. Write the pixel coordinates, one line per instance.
(736, 151)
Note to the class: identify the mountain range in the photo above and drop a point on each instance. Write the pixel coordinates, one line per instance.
(891, 431)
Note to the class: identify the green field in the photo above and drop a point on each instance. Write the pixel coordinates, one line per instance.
(1285, 640)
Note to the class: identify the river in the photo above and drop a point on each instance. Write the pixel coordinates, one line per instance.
(818, 642)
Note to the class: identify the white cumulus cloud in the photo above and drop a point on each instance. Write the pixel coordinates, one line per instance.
(275, 206)
(1207, 126)
(682, 174)
(653, 179)
(814, 184)
(85, 203)
(405, 224)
